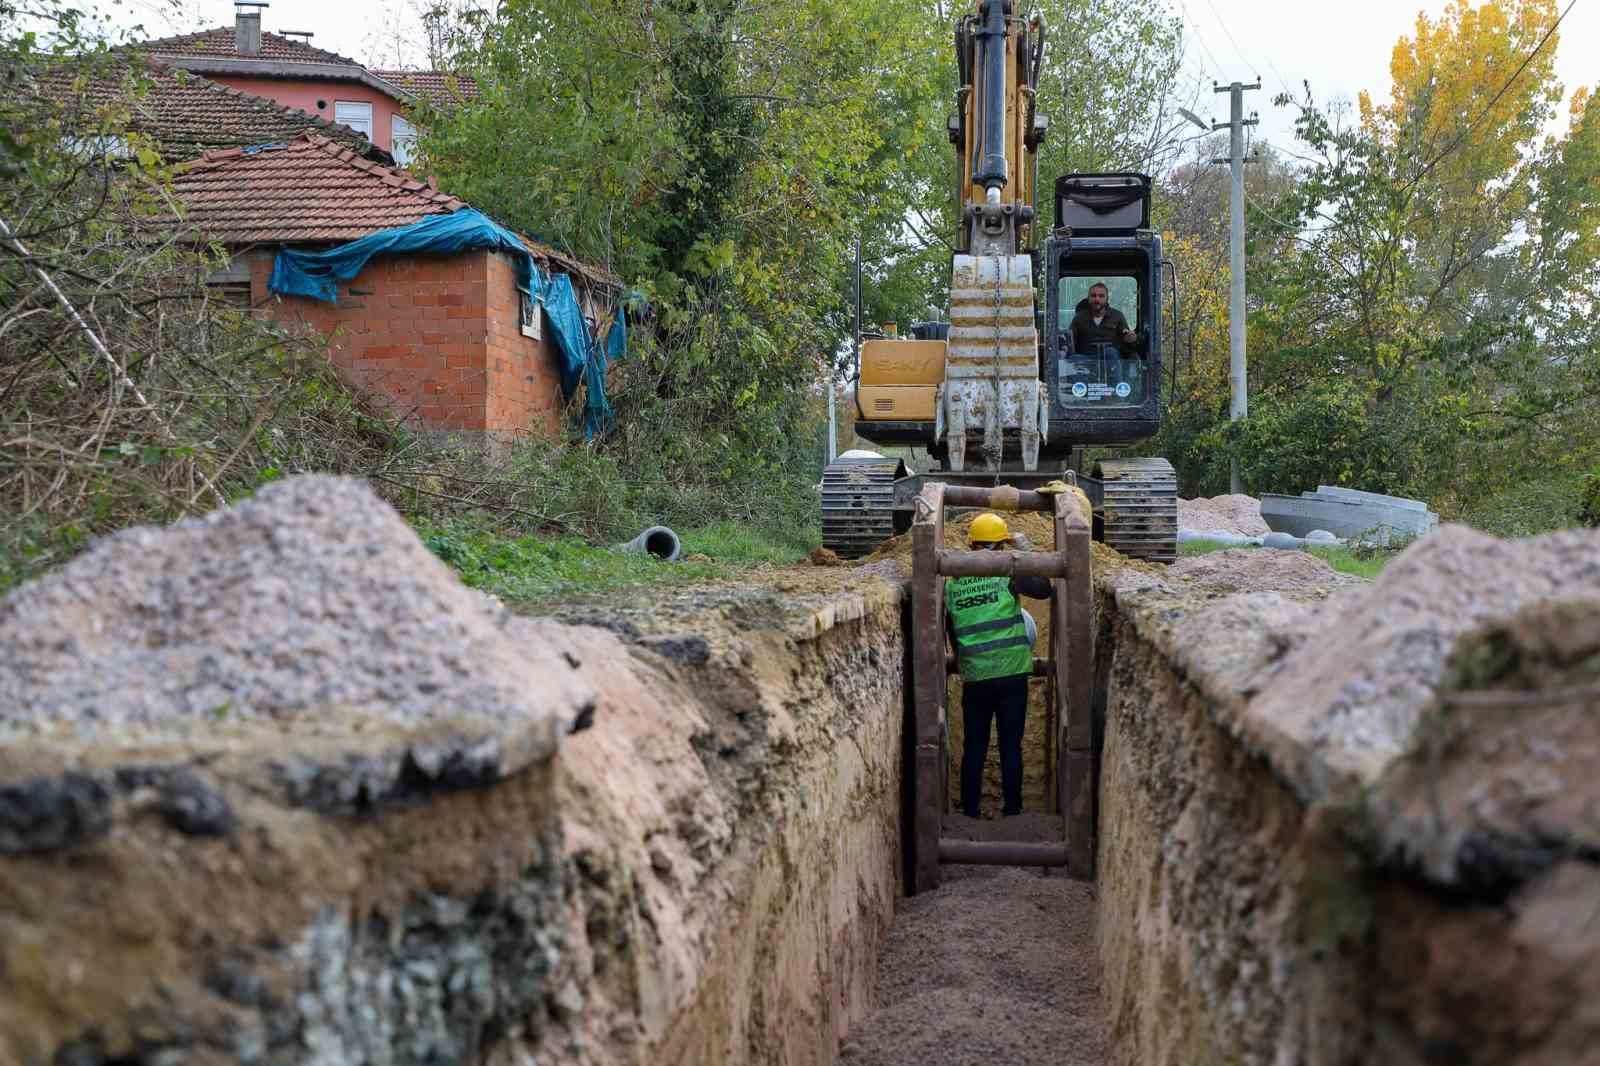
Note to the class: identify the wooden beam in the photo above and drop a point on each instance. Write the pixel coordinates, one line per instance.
(1072, 540)
(1078, 784)
(1000, 498)
(1072, 648)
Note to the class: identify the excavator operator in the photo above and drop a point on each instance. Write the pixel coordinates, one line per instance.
(987, 626)
(1097, 322)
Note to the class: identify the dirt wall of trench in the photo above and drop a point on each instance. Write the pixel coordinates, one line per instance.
(737, 826)
(276, 789)
(1345, 823)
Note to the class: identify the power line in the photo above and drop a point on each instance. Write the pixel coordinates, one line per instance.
(1290, 229)
(1453, 145)
(1282, 81)
(1183, 11)
(1229, 34)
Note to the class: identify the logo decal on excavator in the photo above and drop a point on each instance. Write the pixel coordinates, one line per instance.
(904, 366)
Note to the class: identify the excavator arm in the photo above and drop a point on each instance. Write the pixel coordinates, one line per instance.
(991, 385)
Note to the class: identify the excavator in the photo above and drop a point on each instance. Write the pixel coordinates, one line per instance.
(1003, 393)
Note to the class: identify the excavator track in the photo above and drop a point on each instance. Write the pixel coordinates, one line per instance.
(858, 504)
(1140, 507)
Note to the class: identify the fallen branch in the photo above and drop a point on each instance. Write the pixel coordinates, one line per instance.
(557, 520)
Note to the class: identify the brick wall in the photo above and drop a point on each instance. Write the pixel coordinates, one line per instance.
(436, 337)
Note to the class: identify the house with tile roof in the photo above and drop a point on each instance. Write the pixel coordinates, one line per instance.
(185, 113)
(446, 340)
(290, 71)
(441, 88)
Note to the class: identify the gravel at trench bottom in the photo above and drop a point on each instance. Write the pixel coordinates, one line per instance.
(996, 966)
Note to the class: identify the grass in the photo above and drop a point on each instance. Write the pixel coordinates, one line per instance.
(528, 573)
(1362, 562)
(736, 543)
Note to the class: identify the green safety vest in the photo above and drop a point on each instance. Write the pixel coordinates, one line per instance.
(991, 638)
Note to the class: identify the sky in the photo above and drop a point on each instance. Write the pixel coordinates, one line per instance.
(1340, 46)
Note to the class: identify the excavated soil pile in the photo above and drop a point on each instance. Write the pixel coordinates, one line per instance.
(237, 816)
(998, 965)
(1232, 513)
(1281, 570)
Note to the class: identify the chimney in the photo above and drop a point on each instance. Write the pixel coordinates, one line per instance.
(247, 28)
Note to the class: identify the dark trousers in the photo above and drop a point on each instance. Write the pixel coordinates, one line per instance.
(1004, 701)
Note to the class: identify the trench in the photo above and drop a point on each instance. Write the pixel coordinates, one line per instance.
(709, 867)
(1242, 910)
(821, 957)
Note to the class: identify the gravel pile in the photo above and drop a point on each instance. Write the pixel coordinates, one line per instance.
(311, 599)
(1231, 513)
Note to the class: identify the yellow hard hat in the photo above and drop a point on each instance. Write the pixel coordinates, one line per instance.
(988, 529)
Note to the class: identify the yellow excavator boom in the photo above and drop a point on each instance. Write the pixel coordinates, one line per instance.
(981, 375)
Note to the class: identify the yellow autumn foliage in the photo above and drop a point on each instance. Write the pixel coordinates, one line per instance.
(1465, 81)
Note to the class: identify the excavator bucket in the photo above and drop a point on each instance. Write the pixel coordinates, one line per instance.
(991, 379)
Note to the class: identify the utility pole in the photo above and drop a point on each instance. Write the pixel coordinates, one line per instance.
(1235, 125)
(855, 352)
(833, 425)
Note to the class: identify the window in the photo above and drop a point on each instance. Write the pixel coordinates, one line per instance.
(528, 313)
(357, 114)
(230, 284)
(230, 293)
(1121, 292)
(1102, 373)
(403, 140)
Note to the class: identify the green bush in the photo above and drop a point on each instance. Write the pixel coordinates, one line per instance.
(1292, 442)
(1526, 507)
(1589, 500)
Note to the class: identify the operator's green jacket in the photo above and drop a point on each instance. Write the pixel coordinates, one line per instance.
(986, 626)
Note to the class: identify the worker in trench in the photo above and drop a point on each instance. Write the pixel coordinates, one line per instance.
(988, 627)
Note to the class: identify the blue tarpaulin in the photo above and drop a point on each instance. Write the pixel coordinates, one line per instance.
(571, 332)
(582, 357)
(313, 274)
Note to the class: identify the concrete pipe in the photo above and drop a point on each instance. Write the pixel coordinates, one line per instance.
(658, 541)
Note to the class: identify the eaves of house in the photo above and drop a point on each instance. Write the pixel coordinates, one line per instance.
(225, 51)
(313, 190)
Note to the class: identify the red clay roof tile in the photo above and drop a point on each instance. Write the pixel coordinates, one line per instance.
(307, 190)
(311, 190)
(437, 86)
(220, 43)
(186, 113)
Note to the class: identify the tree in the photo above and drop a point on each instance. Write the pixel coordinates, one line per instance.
(1417, 284)
(128, 392)
(1108, 85)
(721, 156)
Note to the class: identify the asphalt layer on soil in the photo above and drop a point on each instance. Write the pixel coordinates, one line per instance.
(995, 966)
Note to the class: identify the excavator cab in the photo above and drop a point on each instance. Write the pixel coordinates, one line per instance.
(1105, 392)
